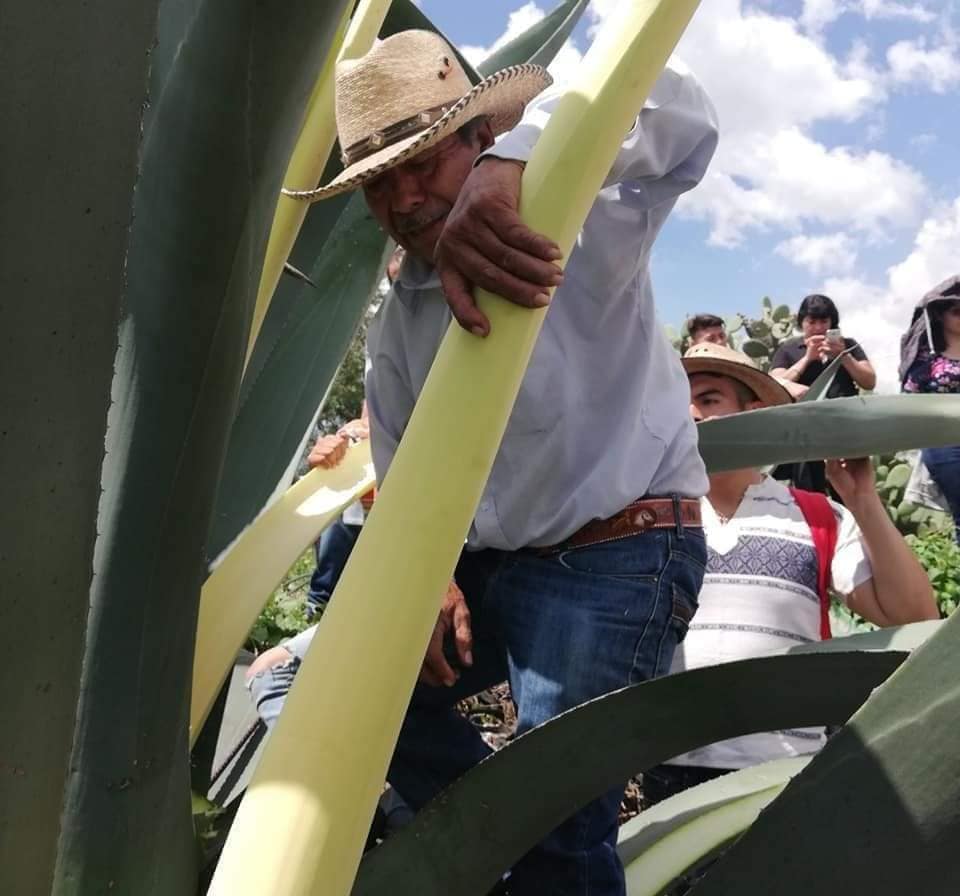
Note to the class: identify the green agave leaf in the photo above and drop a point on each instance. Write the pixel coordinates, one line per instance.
(307, 331)
(70, 167)
(841, 427)
(465, 839)
(221, 104)
(540, 43)
(889, 786)
(662, 843)
(821, 385)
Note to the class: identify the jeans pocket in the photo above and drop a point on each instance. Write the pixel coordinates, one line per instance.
(682, 611)
(639, 558)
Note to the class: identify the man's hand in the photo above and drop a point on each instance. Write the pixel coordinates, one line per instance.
(853, 480)
(358, 430)
(454, 616)
(328, 452)
(485, 243)
(815, 347)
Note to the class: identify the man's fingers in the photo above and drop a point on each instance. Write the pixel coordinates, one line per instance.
(517, 261)
(515, 233)
(462, 304)
(463, 633)
(435, 663)
(482, 272)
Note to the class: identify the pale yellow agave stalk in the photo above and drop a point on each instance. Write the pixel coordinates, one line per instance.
(312, 151)
(238, 588)
(303, 822)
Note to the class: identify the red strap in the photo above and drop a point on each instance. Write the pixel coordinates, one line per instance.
(820, 518)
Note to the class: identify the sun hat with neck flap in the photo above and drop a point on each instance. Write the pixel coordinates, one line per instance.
(409, 93)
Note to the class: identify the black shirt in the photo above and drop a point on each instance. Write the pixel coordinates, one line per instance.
(794, 349)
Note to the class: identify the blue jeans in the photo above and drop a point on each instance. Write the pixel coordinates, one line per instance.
(563, 629)
(332, 550)
(944, 467)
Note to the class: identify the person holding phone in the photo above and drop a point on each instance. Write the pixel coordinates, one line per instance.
(802, 359)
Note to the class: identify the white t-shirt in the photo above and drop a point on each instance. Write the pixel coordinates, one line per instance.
(759, 595)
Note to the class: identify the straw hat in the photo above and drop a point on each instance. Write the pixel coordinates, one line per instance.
(719, 360)
(407, 94)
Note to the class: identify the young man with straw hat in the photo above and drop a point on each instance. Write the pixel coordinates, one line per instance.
(585, 555)
(774, 554)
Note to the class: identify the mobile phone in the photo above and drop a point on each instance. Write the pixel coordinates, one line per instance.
(834, 335)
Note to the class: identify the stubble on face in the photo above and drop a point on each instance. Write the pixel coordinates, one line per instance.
(412, 201)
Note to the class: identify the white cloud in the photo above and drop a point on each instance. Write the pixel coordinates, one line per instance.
(817, 14)
(772, 84)
(923, 142)
(888, 9)
(914, 61)
(788, 180)
(828, 253)
(519, 21)
(566, 61)
(878, 314)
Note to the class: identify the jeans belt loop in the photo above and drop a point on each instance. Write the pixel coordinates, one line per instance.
(677, 515)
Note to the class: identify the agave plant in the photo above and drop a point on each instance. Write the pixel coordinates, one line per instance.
(164, 234)
(156, 166)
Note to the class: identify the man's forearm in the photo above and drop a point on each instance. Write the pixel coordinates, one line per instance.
(901, 585)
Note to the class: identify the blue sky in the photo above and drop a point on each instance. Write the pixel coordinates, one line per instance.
(837, 169)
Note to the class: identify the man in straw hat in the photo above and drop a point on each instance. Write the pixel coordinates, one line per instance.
(585, 555)
(774, 554)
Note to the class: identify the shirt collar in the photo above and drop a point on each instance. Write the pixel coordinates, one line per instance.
(415, 275)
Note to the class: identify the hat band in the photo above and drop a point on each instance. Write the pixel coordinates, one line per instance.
(392, 134)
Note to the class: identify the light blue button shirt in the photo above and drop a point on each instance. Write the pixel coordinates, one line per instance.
(603, 415)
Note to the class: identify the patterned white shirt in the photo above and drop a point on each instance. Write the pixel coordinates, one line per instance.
(602, 417)
(759, 595)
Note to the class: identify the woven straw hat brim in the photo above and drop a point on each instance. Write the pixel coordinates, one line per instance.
(764, 386)
(502, 97)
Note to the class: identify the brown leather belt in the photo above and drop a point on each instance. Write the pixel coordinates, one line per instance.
(640, 516)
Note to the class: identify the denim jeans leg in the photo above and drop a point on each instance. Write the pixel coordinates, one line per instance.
(944, 467)
(437, 744)
(579, 625)
(332, 550)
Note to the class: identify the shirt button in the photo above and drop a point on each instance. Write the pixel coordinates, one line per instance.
(485, 506)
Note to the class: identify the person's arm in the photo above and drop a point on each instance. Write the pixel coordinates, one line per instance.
(861, 371)
(780, 369)
(899, 590)
(485, 243)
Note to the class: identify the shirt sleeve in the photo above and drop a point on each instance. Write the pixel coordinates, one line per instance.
(851, 566)
(667, 150)
(784, 356)
(858, 353)
(298, 644)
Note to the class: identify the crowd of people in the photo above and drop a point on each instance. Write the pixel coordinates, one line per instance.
(601, 554)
